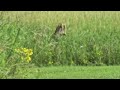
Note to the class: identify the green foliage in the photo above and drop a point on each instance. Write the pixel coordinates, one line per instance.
(92, 38)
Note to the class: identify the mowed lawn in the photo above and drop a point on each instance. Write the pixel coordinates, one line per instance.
(69, 72)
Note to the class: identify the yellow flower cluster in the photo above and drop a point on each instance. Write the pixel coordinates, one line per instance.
(26, 53)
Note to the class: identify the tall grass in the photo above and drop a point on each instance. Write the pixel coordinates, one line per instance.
(92, 37)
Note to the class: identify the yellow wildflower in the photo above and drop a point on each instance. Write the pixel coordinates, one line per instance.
(30, 52)
(28, 59)
(25, 53)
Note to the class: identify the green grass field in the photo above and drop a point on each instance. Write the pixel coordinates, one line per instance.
(68, 72)
(92, 39)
